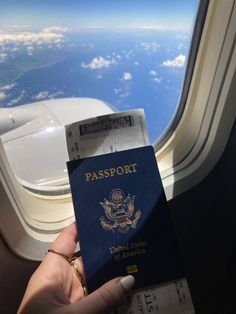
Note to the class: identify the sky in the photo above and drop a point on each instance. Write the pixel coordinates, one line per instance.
(29, 28)
(161, 14)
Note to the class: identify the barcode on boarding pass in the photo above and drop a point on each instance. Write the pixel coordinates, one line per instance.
(106, 124)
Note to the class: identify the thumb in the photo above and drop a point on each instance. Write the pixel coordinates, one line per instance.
(106, 298)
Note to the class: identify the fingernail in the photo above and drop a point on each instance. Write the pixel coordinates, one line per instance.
(127, 282)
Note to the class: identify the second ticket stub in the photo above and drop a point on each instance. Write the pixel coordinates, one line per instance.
(168, 298)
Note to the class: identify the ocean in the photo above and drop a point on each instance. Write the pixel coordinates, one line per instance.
(142, 69)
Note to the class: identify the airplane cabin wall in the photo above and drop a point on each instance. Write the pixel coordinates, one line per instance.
(205, 221)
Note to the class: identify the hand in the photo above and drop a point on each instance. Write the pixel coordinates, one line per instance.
(55, 287)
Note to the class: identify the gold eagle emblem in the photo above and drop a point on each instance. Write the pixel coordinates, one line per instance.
(119, 211)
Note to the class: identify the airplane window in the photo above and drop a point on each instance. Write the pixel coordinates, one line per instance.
(57, 54)
(62, 61)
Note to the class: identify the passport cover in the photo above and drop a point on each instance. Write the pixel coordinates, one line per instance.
(123, 221)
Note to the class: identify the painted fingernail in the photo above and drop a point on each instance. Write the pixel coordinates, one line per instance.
(127, 282)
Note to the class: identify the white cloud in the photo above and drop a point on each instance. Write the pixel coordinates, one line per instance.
(177, 62)
(47, 95)
(41, 95)
(126, 94)
(2, 95)
(152, 73)
(56, 29)
(130, 54)
(7, 87)
(83, 45)
(181, 36)
(180, 46)
(154, 76)
(118, 57)
(126, 76)
(157, 79)
(31, 38)
(99, 63)
(117, 90)
(150, 47)
(59, 46)
(55, 95)
(30, 50)
(3, 57)
(14, 49)
(165, 27)
(16, 100)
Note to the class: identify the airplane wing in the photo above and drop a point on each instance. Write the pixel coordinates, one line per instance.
(34, 140)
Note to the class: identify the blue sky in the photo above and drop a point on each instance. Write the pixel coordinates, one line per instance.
(98, 13)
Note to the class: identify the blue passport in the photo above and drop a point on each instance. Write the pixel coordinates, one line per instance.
(123, 221)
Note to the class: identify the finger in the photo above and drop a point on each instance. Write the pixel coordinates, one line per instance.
(79, 268)
(66, 242)
(106, 298)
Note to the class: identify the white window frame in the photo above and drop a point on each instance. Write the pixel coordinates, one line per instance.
(184, 160)
(202, 133)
